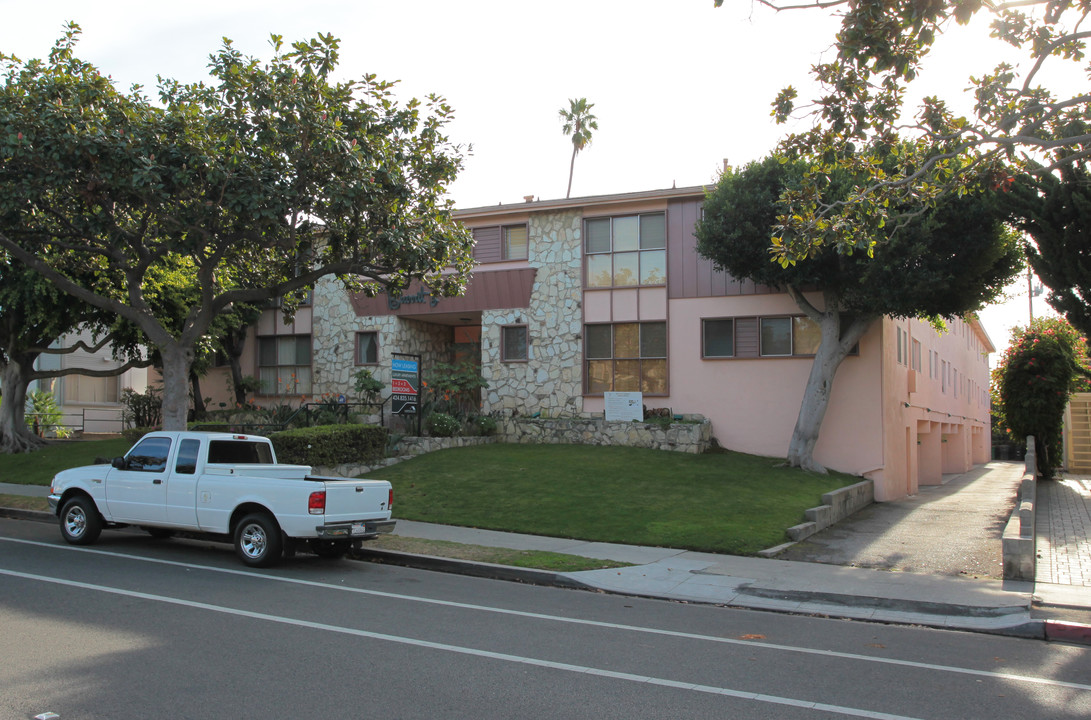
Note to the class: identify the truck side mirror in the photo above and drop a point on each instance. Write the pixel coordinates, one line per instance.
(120, 463)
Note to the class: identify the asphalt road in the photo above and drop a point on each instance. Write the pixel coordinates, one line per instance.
(139, 628)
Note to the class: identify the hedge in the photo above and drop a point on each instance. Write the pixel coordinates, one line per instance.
(324, 445)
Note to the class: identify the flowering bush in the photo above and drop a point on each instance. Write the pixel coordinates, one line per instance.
(1042, 367)
(443, 425)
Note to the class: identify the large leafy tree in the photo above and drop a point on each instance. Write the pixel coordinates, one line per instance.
(1055, 211)
(946, 262)
(1020, 123)
(578, 124)
(264, 180)
(34, 314)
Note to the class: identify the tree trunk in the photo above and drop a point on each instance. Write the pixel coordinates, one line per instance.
(199, 408)
(15, 437)
(233, 346)
(571, 169)
(177, 360)
(832, 350)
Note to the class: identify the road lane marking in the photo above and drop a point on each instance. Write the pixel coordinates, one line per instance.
(487, 654)
(578, 621)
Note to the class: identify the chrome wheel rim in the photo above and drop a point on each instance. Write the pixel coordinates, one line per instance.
(75, 521)
(253, 541)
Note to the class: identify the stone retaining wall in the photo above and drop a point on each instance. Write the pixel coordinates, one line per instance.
(688, 437)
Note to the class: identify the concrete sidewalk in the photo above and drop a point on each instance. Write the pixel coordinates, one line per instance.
(959, 601)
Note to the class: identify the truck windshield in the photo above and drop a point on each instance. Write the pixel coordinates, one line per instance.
(239, 452)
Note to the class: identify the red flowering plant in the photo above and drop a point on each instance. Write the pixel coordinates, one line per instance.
(1042, 367)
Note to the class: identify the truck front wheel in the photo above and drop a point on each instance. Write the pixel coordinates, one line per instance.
(80, 521)
(257, 540)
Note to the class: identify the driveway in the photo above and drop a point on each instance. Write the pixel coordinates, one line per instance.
(949, 529)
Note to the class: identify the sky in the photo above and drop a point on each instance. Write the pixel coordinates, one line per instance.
(678, 86)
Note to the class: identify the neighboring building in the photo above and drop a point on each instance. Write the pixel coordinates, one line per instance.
(90, 404)
(571, 298)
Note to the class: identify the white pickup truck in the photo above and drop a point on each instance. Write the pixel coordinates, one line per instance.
(224, 485)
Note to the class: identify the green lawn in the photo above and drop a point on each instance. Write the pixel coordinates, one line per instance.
(722, 502)
(719, 502)
(39, 467)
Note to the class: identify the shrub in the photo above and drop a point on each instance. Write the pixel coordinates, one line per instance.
(456, 389)
(133, 434)
(44, 415)
(367, 386)
(483, 425)
(443, 425)
(330, 444)
(142, 410)
(1042, 367)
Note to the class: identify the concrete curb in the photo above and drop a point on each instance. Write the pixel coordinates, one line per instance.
(35, 515)
(924, 607)
(529, 576)
(1071, 632)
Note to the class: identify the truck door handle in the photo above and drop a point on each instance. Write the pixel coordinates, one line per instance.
(157, 481)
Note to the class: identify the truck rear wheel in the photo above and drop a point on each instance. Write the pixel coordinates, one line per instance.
(257, 540)
(80, 521)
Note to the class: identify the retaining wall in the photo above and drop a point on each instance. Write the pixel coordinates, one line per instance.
(694, 436)
(835, 507)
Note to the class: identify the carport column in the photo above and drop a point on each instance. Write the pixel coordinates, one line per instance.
(982, 445)
(955, 454)
(929, 453)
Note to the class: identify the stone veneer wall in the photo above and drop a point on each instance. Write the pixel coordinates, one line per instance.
(333, 340)
(551, 380)
(690, 437)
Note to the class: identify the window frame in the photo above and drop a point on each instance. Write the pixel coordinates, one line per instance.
(504, 345)
(704, 338)
(613, 253)
(504, 246)
(356, 347)
(642, 362)
(747, 342)
(277, 390)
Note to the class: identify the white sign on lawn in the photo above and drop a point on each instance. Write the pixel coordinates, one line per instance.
(624, 406)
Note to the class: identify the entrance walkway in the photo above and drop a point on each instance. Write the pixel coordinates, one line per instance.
(1063, 520)
(953, 529)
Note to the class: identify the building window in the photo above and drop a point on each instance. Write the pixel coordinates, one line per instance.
(915, 360)
(367, 348)
(785, 336)
(626, 357)
(497, 243)
(513, 343)
(514, 245)
(626, 251)
(284, 364)
(81, 389)
(718, 338)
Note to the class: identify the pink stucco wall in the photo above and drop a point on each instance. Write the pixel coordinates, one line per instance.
(753, 403)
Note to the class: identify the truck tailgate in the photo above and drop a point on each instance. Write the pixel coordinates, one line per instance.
(348, 500)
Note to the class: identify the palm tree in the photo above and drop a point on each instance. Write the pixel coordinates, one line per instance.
(578, 122)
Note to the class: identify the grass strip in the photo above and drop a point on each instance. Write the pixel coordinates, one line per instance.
(538, 559)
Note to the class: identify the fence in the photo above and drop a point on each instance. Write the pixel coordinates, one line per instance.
(77, 422)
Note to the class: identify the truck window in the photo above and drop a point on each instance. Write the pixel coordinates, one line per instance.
(239, 452)
(187, 457)
(149, 455)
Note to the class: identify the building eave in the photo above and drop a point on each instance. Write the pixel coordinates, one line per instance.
(581, 202)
